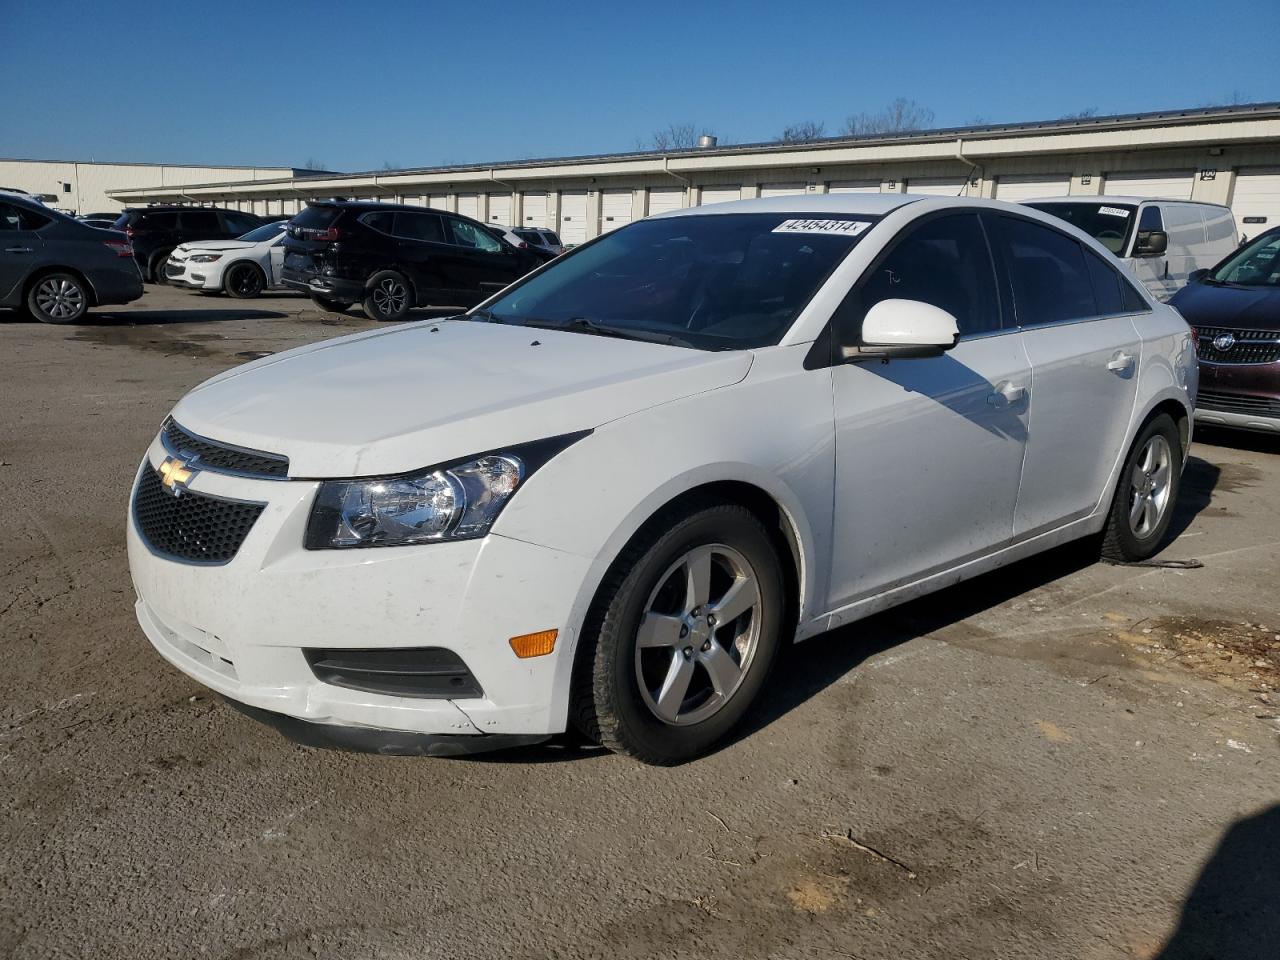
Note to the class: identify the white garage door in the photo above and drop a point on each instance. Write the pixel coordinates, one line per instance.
(662, 199)
(781, 189)
(1015, 188)
(853, 186)
(468, 204)
(573, 217)
(615, 209)
(535, 210)
(438, 201)
(720, 194)
(1256, 200)
(1171, 184)
(500, 208)
(936, 186)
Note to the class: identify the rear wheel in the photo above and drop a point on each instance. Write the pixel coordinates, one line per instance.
(157, 267)
(1142, 507)
(682, 636)
(387, 296)
(58, 298)
(244, 281)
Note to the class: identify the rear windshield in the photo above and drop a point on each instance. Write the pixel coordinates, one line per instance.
(1256, 265)
(1108, 223)
(317, 218)
(714, 282)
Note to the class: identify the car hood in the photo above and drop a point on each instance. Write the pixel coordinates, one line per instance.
(1248, 308)
(215, 245)
(389, 401)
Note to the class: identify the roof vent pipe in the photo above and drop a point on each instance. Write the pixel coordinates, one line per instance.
(706, 142)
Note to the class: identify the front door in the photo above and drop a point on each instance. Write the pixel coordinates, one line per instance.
(928, 451)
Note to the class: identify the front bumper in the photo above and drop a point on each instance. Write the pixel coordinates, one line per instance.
(240, 628)
(1243, 396)
(184, 273)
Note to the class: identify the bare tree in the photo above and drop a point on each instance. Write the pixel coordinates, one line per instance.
(1084, 114)
(804, 132)
(900, 116)
(675, 136)
(313, 164)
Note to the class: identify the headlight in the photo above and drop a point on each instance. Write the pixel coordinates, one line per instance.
(206, 257)
(457, 503)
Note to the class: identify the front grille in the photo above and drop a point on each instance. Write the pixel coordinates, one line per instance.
(1237, 403)
(425, 672)
(1251, 346)
(222, 457)
(191, 526)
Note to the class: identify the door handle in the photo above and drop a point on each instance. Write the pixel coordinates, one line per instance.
(1006, 394)
(17, 249)
(1120, 363)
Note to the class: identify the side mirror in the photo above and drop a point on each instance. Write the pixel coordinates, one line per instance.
(904, 328)
(1195, 276)
(1151, 244)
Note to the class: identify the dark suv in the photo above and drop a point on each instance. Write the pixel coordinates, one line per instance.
(56, 267)
(155, 231)
(391, 257)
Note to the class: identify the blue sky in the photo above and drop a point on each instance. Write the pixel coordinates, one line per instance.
(356, 86)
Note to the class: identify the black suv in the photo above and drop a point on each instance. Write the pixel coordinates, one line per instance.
(155, 231)
(56, 267)
(391, 257)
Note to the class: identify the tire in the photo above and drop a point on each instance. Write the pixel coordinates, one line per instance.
(657, 679)
(244, 281)
(388, 296)
(1146, 493)
(157, 267)
(332, 306)
(58, 298)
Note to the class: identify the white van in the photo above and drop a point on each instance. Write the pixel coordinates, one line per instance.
(1159, 241)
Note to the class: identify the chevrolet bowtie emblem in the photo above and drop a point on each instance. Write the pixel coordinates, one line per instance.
(175, 474)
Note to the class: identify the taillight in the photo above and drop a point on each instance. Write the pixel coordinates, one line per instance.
(122, 248)
(330, 235)
(522, 245)
(128, 231)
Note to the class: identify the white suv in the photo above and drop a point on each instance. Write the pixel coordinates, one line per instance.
(606, 496)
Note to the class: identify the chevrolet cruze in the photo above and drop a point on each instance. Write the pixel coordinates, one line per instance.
(607, 495)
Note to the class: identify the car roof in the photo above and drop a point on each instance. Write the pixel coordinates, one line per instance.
(1120, 198)
(876, 204)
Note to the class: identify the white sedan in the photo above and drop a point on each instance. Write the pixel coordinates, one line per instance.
(241, 268)
(609, 494)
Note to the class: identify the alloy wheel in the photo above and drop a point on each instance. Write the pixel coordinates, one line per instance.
(60, 298)
(389, 296)
(1149, 486)
(698, 635)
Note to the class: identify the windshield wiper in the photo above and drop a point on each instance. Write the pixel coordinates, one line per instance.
(583, 325)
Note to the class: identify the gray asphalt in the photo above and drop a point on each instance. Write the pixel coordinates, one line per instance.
(1063, 759)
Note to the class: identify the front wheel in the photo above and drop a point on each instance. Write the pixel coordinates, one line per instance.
(387, 297)
(58, 298)
(244, 281)
(1142, 507)
(682, 636)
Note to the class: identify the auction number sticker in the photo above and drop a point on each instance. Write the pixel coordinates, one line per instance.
(842, 228)
(1113, 211)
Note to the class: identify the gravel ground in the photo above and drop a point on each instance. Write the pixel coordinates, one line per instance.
(1062, 759)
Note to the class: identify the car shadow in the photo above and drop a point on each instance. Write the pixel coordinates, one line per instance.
(1249, 440)
(1231, 913)
(145, 318)
(1199, 480)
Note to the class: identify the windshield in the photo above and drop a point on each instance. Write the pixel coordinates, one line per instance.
(714, 282)
(1255, 265)
(265, 232)
(1108, 223)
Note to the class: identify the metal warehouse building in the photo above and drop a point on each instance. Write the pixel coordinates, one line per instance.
(82, 186)
(1219, 154)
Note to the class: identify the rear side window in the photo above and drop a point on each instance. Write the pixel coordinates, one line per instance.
(381, 220)
(944, 262)
(1106, 284)
(469, 235)
(419, 226)
(239, 223)
(1047, 273)
(13, 217)
(205, 221)
(551, 237)
(161, 220)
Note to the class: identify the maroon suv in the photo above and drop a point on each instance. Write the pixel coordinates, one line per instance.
(1234, 309)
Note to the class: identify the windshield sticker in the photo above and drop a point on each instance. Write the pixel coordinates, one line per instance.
(1113, 211)
(844, 228)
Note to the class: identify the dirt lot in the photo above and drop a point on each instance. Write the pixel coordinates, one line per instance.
(1059, 760)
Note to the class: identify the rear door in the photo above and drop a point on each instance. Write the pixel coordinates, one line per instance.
(928, 451)
(1075, 315)
(20, 249)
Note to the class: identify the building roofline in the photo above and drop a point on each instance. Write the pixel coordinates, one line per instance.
(143, 163)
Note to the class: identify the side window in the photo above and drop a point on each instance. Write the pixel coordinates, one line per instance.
(205, 221)
(945, 262)
(381, 220)
(167, 220)
(1106, 284)
(10, 217)
(1131, 299)
(419, 226)
(30, 220)
(469, 235)
(238, 223)
(1047, 273)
